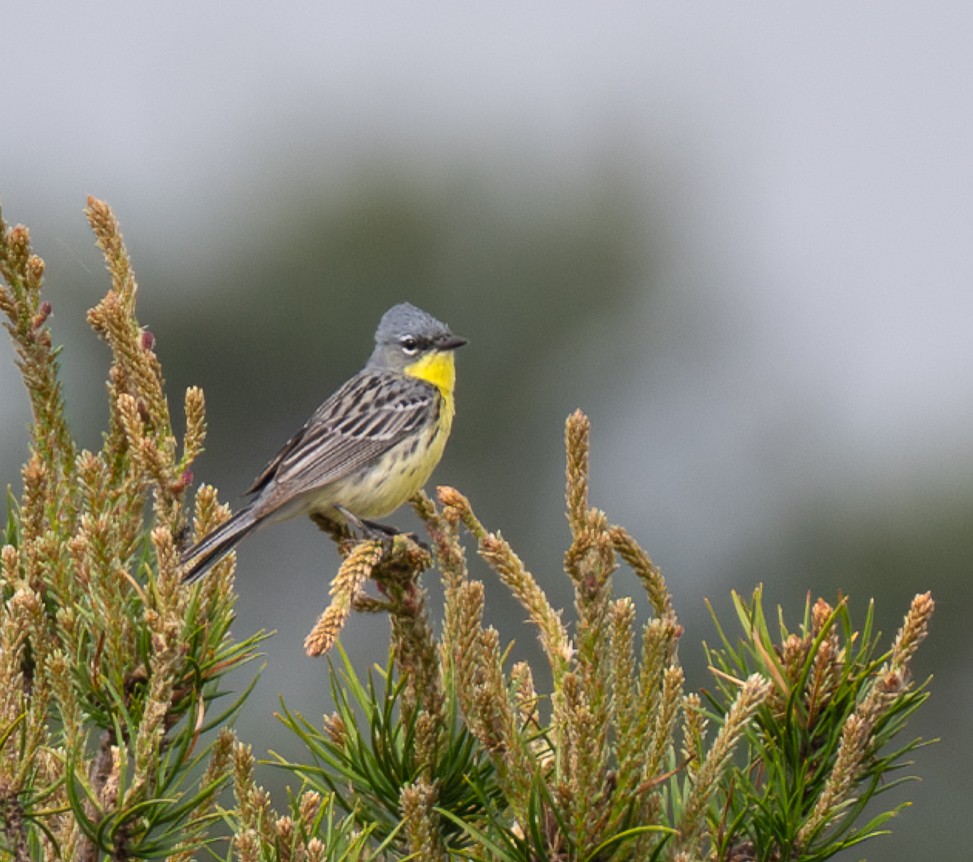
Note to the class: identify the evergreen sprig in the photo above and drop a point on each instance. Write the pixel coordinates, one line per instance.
(370, 755)
(109, 669)
(823, 745)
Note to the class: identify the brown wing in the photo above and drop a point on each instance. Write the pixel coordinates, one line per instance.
(365, 417)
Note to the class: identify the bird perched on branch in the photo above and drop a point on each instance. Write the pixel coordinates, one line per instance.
(365, 450)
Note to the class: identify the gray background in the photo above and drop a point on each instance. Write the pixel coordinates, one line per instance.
(737, 235)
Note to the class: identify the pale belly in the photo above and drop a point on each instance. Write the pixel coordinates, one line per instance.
(404, 470)
(405, 473)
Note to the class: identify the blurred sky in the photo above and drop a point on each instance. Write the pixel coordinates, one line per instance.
(800, 176)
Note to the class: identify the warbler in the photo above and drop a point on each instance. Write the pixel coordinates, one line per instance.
(365, 450)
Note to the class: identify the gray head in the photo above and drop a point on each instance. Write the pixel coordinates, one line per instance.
(405, 334)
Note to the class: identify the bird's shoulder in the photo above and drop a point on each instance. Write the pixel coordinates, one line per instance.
(376, 393)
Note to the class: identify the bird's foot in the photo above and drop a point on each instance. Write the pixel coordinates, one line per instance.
(377, 531)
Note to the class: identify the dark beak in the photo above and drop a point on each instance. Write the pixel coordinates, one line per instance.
(449, 342)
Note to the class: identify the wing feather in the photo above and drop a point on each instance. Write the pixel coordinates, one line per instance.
(367, 416)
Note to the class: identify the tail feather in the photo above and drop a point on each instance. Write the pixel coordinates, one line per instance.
(215, 545)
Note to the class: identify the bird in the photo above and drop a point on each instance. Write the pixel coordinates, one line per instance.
(366, 450)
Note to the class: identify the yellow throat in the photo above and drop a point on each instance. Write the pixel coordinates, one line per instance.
(438, 369)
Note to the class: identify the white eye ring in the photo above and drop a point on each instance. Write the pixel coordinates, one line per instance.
(410, 347)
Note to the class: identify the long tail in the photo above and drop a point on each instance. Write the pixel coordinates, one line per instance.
(209, 550)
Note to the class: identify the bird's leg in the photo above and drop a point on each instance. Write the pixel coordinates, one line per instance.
(376, 530)
(368, 529)
(338, 530)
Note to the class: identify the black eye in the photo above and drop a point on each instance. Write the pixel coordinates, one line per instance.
(410, 346)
